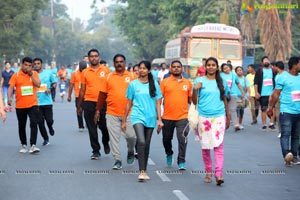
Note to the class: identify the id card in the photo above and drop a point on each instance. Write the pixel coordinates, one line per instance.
(268, 82)
(26, 90)
(42, 88)
(296, 95)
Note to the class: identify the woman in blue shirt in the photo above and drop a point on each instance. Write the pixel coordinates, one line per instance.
(210, 94)
(242, 104)
(144, 99)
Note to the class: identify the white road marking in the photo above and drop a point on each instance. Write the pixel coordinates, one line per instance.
(163, 176)
(180, 195)
(150, 161)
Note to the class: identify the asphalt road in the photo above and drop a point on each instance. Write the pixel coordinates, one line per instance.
(253, 167)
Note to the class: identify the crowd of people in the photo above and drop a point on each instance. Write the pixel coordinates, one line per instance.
(133, 102)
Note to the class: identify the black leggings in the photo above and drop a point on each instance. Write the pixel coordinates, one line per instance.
(143, 135)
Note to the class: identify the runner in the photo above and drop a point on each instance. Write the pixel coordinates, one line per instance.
(26, 82)
(6, 75)
(177, 93)
(214, 118)
(75, 83)
(144, 97)
(44, 100)
(91, 80)
(113, 91)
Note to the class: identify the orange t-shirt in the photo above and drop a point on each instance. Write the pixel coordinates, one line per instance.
(116, 87)
(76, 80)
(176, 94)
(25, 90)
(93, 79)
(62, 73)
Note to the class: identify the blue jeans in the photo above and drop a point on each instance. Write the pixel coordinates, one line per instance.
(290, 128)
(5, 91)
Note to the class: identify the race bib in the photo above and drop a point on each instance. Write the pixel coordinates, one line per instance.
(296, 95)
(42, 88)
(268, 82)
(26, 90)
(229, 82)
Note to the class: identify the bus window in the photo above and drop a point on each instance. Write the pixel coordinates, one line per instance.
(200, 48)
(229, 49)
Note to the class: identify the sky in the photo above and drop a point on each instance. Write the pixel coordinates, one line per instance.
(82, 8)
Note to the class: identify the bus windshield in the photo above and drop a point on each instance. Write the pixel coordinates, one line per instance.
(200, 48)
(229, 49)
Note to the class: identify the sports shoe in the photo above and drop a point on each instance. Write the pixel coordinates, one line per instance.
(254, 122)
(236, 128)
(95, 156)
(10, 109)
(181, 166)
(279, 135)
(146, 177)
(46, 142)
(136, 155)
(142, 176)
(23, 149)
(117, 165)
(6, 109)
(81, 129)
(288, 158)
(170, 160)
(295, 161)
(264, 128)
(130, 158)
(272, 127)
(241, 127)
(106, 149)
(34, 149)
(51, 131)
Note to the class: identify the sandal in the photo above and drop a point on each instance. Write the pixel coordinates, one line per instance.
(207, 178)
(219, 180)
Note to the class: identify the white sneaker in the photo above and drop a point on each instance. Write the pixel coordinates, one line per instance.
(34, 149)
(23, 149)
(81, 129)
(279, 135)
(241, 127)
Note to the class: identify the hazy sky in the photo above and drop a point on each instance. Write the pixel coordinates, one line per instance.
(82, 8)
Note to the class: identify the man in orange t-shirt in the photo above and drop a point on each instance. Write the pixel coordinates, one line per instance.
(114, 93)
(91, 80)
(62, 73)
(26, 81)
(177, 93)
(75, 83)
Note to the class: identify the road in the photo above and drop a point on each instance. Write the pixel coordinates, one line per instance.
(253, 167)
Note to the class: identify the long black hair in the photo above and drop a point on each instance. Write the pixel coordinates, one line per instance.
(218, 77)
(152, 89)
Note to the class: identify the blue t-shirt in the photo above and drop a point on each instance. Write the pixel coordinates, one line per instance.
(155, 74)
(290, 93)
(15, 69)
(267, 84)
(232, 80)
(209, 101)
(278, 75)
(70, 71)
(236, 89)
(54, 73)
(46, 79)
(144, 106)
(62, 86)
(6, 77)
(112, 69)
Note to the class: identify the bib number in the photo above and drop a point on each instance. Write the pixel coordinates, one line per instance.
(26, 90)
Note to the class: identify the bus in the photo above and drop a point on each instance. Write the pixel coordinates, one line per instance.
(202, 41)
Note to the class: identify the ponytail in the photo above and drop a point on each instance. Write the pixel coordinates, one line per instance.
(152, 89)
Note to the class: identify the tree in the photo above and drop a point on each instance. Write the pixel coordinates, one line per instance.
(275, 34)
(19, 24)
